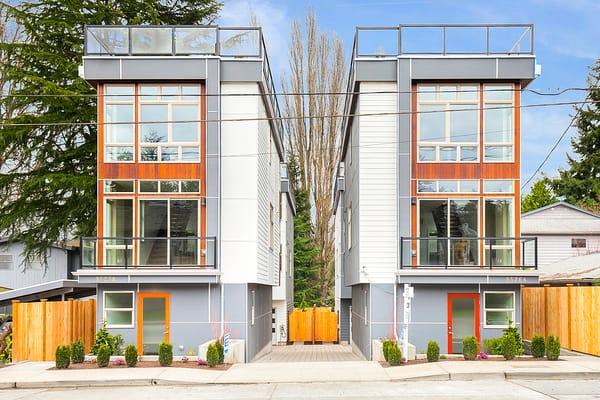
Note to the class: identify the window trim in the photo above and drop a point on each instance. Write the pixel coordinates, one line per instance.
(458, 185)
(486, 309)
(104, 182)
(512, 202)
(499, 103)
(105, 309)
(512, 192)
(179, 186)
(105, 103)
(573, 239)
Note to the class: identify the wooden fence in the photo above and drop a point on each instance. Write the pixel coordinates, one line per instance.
(316, 324)
(38, 328)
(572, 313)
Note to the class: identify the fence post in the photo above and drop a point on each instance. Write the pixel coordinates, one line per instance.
(546, 310)
(70, 319)
(43, 303)
(314, 322)
(569, 315)
(16, 344)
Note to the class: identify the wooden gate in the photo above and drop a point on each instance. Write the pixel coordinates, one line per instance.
(38, 328)
(316, 324)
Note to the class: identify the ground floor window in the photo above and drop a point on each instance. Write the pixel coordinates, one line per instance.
(499, 309)
(118, 309)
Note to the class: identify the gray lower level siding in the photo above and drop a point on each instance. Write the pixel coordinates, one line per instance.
(344, 319)
(195, 314)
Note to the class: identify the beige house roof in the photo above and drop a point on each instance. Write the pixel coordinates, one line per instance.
(575, 269)
(560, 219)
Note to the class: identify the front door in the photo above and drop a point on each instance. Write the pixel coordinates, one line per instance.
(463, 319)
(153, 321)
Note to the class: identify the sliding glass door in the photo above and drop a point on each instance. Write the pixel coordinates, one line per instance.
(499, 224)
(118, 228)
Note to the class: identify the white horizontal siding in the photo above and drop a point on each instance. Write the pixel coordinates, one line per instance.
(554, 248)
(378, 219)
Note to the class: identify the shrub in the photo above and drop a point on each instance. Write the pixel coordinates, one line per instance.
(538, 346)
(103, 356)
(433, 351)
(514, 332)
(6, 353)
(131, 355)
(220, 350)
(63, 357)
(470, 347)
(103, 337)
(493, 345)
(165, 354)
(510, 347)
(387, 344)
(394, 354)
(552, 348)
(77, 352)
(212, 355)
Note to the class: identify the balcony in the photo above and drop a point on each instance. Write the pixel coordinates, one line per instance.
(149, 253)
(469, 253)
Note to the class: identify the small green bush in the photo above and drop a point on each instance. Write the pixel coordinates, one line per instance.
(470, 347)
(433, 351)
(6, 354)
(220, 350)
(513, 331)
(387, 344)
(103, 356)
(114, 343)
(212, 355)
(394, 354)
(493, 345)
(63, 357)
(77, 352)
(552, 348)
(538, 346)
(131, 355)
(165, 354)
(510, 347)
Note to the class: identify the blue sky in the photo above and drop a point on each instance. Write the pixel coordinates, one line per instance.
(567, 41)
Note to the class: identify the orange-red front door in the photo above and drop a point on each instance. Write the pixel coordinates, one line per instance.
(463, 319)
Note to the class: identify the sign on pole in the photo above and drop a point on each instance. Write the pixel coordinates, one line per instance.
(408, 294)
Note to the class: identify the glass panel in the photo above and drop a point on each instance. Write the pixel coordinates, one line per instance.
(105, 40)
(149, 186)
(498, 124)
(151, 41)
(190, 154)
(149, 92)
(447, 153)
(427, 93)
(499, 300)
(468, 153)
(149, 154)
(498, 221)
(169, 154)
(469, 186)
(190, 186)
(463, 321)
(195, 40)
(469, 92)
(155, 132)
(377, 42)
(463, 123)
(116, 131)
(154, 323)
(114, 93)
(170, 92)
(494, 186)
(431, 123)
(118, 300)
(192, 93)
(463, 224)
(501, 318)
(185, 131)
(502, 255)
(426, 186)
(169, 186)
(184, 223)
(153, 224)
(426, 153)
(498, 153)
(117, 317)
(118, 186)
(239, 42)
(447, 92)
(498, 92)
(119, 153)
(433, 222)
(118, 223)
(448, 186)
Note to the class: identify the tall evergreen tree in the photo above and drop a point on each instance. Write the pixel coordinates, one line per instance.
(539, 196)
(580, 183)
(48, 173)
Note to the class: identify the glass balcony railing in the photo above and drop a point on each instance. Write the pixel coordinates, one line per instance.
(469, 252)
(148, 252)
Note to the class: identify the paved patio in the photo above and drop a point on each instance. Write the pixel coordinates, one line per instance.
(311, 353)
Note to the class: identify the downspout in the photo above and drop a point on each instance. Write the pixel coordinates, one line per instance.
(395, 318)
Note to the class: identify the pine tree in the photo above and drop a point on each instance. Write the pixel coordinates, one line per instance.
(48, 173)
(580, 183)
(539, 196)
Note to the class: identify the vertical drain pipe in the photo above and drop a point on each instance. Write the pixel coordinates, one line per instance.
(395, 319)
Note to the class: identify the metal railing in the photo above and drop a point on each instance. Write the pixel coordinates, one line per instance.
(443, 39)
(148, 252)
(469, 252)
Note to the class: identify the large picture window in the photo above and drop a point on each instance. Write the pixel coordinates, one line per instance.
(119, 121)
(498, 123)
(499, 224)
(118, 230)
(118, 309)
(448, 123)
(499, 309)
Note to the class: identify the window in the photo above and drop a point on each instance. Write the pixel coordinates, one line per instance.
(498, 123)
(118, 186)
(578, 243)
(499, 309)
(169, 123)
(118, 133)
(6, 261)
(349, 228)
(499, 224)
(498, 186)
(118, 309)
(448, 123)
(118, 225)
(448, 186)
(169, 186)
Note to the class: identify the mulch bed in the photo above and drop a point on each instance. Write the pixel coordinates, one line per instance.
(150, 364)
(385, 364)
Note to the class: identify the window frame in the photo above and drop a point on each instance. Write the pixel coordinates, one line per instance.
(105, 309)
(105, 181)
(485, 191)
(486, 309)
(179, 186)
(458, 185)
(575, 240)
(499, 103)
(512, 246)
(106, 103)
(437, 145)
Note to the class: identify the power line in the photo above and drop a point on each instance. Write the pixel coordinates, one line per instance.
(534, 105)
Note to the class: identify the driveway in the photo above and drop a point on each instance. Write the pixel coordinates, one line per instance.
(311, 353)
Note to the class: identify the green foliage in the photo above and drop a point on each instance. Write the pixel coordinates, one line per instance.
(48, 180)
(539, 196)
(62, 357)
(513, 331)
(580, 183)
(6, 354)
(493, 345)
(131, 355)
(470, 347)
(212, 355)
(103, 337)
(433, 351)
(394, 355)
(538, 346)
(77, 352)
(386, 345)
(509, 346)
(221, 351)
(552, 348)
(103, 356)
(165, 354)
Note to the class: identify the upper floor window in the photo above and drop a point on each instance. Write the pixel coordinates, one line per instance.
(119, 121)
(448, 123)
(498, 123)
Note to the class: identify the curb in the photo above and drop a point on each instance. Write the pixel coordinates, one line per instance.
(583, 375)
(82, 383)
(466, 376)
(431, 377)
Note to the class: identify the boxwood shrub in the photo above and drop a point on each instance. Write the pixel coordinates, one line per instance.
(470, 347)
(77, 352)
(433, 351)
(552, 348)
(538, 346)
(103, 355)
(394, 354)
(212, 355)
(131, 355)
(63, 357)
(165, 354)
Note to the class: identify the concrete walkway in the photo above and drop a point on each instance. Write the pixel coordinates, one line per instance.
(38, 374)
(311, 353)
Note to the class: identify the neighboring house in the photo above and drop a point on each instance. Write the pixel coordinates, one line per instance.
(578, 271)
(429, 184)
(563, 231)
(188, 185)
(283, 294)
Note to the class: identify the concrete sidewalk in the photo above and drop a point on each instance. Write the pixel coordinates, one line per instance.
(39, 375)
